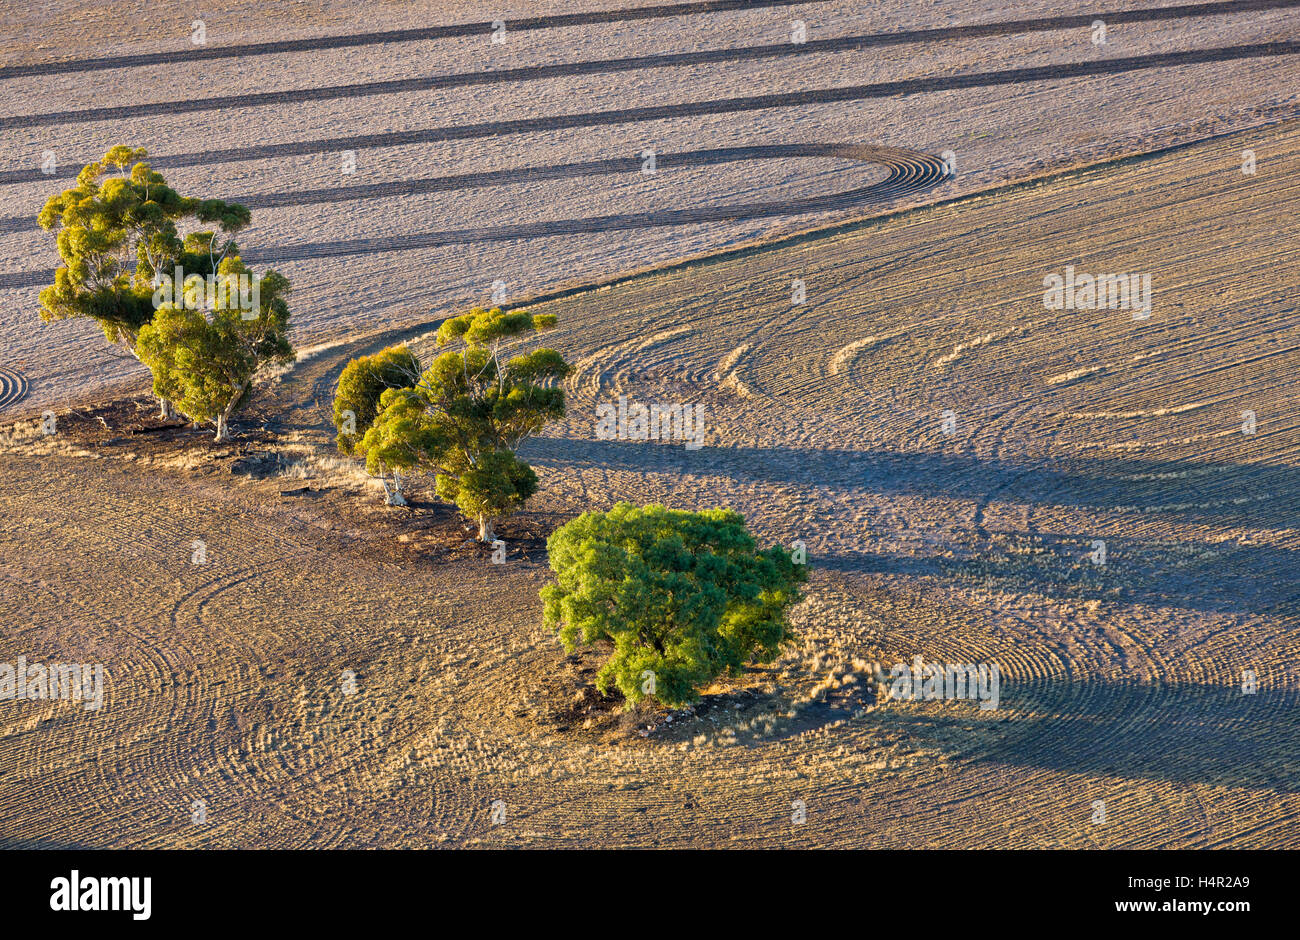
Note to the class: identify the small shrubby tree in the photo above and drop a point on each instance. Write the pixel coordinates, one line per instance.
(205, 360)
(683, 597)
(469, 412)
(118, 236)
(356, 403)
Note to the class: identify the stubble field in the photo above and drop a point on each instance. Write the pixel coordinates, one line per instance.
(336, 673)
(1122, 682)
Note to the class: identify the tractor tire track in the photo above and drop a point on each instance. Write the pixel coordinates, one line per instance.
(740, 105)
(530, 73)
(13, 387)
(900, 37)
(909, 171)
(382, 37)
(514, 176)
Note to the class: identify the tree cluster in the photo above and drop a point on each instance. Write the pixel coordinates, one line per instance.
(185, 306)
(679, 598)
(460, 420)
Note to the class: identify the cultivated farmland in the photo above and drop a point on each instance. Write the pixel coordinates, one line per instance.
(879, 379)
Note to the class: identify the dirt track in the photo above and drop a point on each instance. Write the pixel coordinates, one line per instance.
(1122, 682)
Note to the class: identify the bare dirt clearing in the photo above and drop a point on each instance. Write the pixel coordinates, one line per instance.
(1122, 683)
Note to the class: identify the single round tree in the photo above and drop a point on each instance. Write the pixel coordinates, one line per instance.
(683, 597)
(470, 411)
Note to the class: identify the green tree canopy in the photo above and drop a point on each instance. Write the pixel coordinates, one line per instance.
(205, 360)
(682, 596)
(116, 234)
(117, 239)
(356, 403)
(469, 412)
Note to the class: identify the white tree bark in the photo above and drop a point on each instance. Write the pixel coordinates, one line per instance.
(486, 532)
(393, 492)
(223, 419)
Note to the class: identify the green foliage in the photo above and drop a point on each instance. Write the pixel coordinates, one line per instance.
(105, 223)
(684, 596)
(205, 361)
(402, 436)
(468, 414)
(495, 487)
(488, 327)
(202, 252)
(361, 384)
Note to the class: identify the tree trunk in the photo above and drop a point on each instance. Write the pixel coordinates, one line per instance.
(223, 419)
(393, 494)
(166, 410)
(486, 533)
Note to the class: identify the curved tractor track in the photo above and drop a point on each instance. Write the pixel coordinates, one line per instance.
(1122, 684)
(13, 387)
(908, 171)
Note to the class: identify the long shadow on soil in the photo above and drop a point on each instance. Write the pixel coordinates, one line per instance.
(1228, 576)
(1180, 733)
(1200, 491)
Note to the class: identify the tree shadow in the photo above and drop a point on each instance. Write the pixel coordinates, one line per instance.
(1219, 492)
(1228, 576)
(1179, 733)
